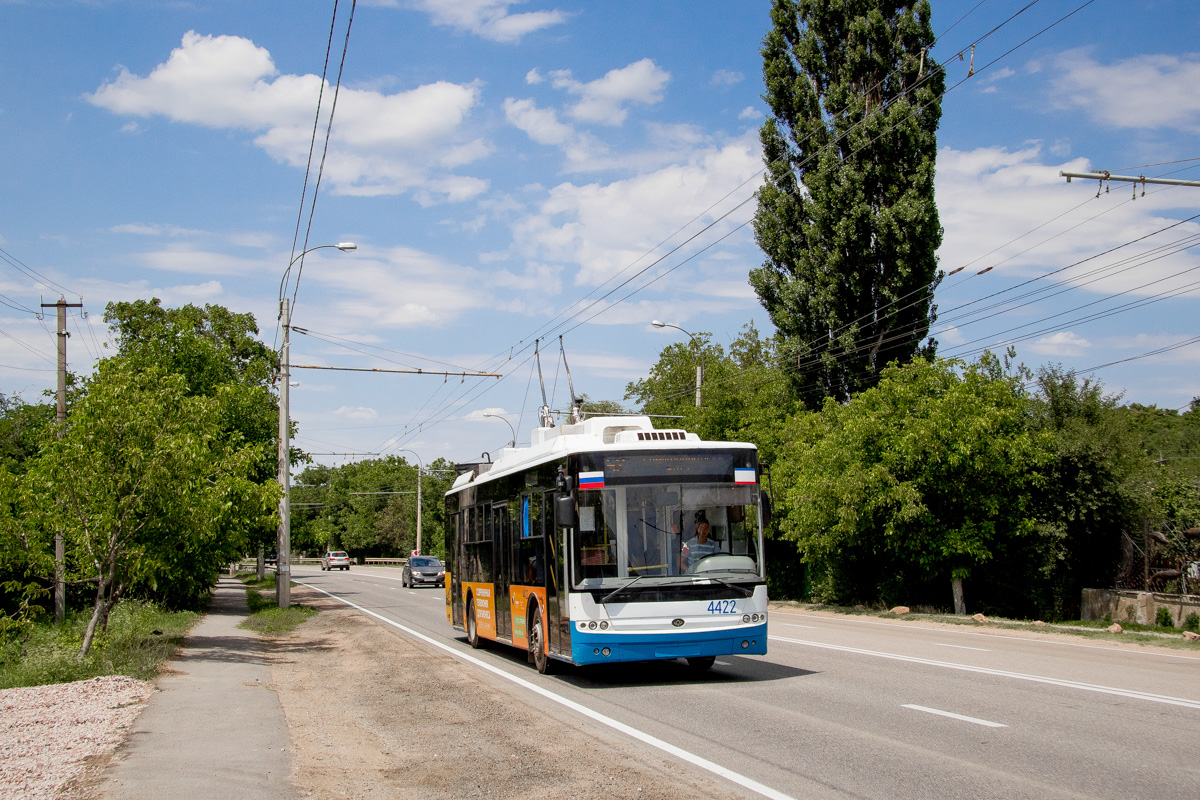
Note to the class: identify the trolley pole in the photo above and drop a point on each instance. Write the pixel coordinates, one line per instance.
(60, 556)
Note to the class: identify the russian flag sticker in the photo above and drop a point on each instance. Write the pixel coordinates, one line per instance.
(592, 480)
(744, 476)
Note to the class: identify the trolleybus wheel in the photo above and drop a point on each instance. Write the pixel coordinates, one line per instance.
(472, 629)
(702, 663)
(537, 640)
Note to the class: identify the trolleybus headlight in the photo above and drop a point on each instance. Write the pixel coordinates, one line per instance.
(606, 652)
(592, 625)
(603, 626)
(583, 626)
(746, 617)
(745, 644)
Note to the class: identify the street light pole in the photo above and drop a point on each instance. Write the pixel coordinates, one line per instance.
(283, 540)
(512, 443)
(420, 468)
(700, 356)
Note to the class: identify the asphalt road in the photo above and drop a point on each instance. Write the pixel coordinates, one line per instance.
(854, 707)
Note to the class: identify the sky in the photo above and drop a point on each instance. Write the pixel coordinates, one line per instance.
(516, 170)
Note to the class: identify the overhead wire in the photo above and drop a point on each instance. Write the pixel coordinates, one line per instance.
(576, 314)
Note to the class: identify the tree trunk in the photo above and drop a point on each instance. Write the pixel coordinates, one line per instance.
(262, 566)
(960, 605)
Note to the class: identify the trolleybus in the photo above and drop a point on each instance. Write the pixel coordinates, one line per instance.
(606, 540)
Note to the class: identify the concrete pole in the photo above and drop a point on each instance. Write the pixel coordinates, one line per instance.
(283, 564)
(60, 554)
(418, 509)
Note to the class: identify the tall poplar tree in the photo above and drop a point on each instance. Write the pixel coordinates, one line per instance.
(846, 217)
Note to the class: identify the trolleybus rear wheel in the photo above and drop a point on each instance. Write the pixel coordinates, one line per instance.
(702, 663)
(537, 640)
(472, 629)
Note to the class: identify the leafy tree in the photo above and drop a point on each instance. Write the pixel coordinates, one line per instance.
(919, 480)
(846, 216)
(1098, 484)
(23, 427)
(148, 488)
(218, 354)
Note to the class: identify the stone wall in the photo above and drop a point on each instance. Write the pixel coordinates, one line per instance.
(1139, 607)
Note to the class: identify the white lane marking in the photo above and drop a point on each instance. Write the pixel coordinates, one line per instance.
(629, 730)
(794, 625)
(1087, 687)
(723, 664)
(952, 715)
(911, 627)
(961, 647)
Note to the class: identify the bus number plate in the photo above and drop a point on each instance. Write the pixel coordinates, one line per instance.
(722, 607)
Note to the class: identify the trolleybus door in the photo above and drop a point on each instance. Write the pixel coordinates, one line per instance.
(502, 541)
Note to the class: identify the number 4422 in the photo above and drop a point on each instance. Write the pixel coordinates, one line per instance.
(722, 607)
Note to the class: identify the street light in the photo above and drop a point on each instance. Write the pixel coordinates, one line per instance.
(283, 556)
(420, 467)
(699, 364)
(513, 443)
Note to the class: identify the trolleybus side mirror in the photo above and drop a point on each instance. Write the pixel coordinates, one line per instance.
(565, 515)
(765, 500)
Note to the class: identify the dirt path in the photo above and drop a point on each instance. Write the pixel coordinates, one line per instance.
(373, 714)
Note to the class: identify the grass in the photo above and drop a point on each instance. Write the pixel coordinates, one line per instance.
(265, 616)
(1159, 636)
(139, 639)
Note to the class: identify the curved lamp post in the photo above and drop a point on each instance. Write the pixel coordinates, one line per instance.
(283, 554)
(700, 362)
(513, 443)
(420, 469)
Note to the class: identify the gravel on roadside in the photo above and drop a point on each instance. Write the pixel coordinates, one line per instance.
(55, 736)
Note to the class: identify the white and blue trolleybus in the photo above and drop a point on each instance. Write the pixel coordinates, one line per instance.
(607, 540)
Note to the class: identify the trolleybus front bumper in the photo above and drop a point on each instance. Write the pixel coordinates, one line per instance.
(588, 647)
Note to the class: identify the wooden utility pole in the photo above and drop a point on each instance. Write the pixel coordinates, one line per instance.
(60, 586)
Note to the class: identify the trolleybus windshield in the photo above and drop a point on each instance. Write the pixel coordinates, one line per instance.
(658, 532)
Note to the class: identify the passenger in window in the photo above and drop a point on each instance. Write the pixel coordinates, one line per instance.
(699, 546)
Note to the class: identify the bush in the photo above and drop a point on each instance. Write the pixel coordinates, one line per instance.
(1192, 623)
(1162, 618)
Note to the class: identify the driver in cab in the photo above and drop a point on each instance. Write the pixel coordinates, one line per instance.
(699, 546)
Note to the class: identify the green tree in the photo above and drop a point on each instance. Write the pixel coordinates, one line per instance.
(23, 427)
(1098, 484)
(918, 481)
(148, 488)
(217, 353)
(846, 216)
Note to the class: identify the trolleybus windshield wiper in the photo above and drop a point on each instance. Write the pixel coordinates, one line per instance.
(733, 586)
(619, 589)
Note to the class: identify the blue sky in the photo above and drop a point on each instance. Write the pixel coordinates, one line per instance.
(497, 162)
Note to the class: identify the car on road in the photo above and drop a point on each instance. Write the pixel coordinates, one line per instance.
(335, 559)
(423, 571)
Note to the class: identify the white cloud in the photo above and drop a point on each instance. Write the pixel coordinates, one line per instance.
(489, 19)
(602, 228)
(541, 124)
(1062, 344)
(154, 229)
(1146, 91)
(604, 99)
(184, 258)
(381, 144)
(356, 413)
(750, 112)
(724, 77)
(533, 77)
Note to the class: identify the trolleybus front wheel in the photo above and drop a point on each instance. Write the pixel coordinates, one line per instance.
(537, 642)
(472, 629)
(702, 663)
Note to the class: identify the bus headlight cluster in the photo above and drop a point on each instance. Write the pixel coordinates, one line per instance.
(754, 617)
(593, 625)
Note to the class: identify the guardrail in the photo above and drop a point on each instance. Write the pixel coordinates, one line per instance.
(397, 562)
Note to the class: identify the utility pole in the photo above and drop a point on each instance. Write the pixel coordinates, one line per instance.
(60, 556)
(283, 544)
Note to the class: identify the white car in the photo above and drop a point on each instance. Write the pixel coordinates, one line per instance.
(335, 559)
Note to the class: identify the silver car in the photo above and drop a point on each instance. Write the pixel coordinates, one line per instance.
(335, 559)
(423, 571)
